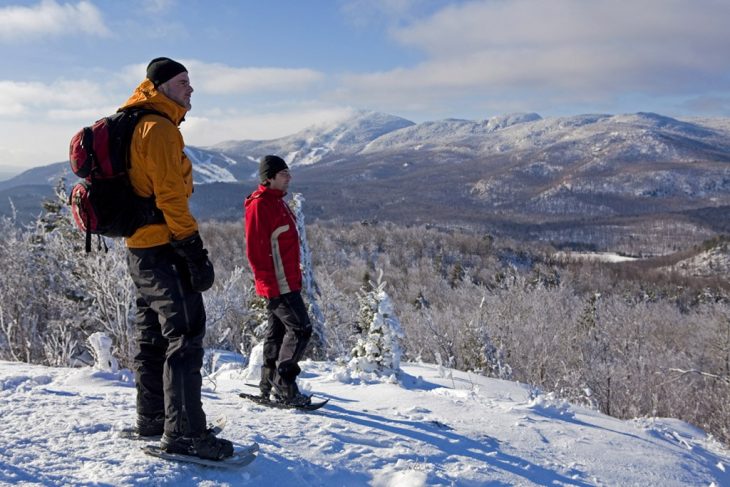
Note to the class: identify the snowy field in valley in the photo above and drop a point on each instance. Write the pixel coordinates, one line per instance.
(610, 257)
(437, 427)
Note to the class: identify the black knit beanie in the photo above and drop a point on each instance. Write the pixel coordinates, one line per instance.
(162, 69)
(269, 166)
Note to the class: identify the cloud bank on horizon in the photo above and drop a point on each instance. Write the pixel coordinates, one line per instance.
(265, 71)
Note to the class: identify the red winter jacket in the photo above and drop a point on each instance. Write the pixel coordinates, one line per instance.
(272, 243)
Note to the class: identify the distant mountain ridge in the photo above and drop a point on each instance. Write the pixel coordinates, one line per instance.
(510, 168)
(316, 143)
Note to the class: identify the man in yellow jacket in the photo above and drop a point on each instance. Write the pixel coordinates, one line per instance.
(170, 269)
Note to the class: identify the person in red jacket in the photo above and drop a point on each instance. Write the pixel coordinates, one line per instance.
(272, 248)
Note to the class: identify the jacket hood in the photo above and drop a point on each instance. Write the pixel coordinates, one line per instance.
(264, 192)
(147, 96)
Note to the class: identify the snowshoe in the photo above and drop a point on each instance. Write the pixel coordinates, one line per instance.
(266, 401)
(206, 446)
(241, 457)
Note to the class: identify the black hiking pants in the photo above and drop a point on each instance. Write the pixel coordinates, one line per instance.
(287, 335)
(170, 323)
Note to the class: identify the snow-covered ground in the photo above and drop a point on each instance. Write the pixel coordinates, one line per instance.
(437, 427)
(610, 257)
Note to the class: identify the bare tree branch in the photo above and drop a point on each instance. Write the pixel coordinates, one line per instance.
(682, 373)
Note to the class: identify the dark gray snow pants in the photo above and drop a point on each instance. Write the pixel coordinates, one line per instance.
(287, 335)
(170, 323)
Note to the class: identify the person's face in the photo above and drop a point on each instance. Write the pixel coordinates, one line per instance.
(178, 89)
(280, 181)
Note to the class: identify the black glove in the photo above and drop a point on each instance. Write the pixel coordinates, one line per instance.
(201, 270)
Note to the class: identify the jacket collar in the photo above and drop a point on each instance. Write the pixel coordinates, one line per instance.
(266, 192)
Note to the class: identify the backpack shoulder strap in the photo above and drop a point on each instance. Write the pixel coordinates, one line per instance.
(135, 114)
(127, 126)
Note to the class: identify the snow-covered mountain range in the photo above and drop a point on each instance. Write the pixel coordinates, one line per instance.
(320, 142)
(517, 167)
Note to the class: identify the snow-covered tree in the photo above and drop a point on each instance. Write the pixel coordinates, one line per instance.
(230, 317)
(340, 315)
(108, 283)
(45, 311)
(309, 285)
(55, 295)
(489, 358)
(19, 313)
(378, 350)
(104, 293)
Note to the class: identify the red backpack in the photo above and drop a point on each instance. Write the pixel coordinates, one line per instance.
(104, 203)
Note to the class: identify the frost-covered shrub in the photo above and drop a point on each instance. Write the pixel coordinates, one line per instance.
(231, 318)
(101, 348)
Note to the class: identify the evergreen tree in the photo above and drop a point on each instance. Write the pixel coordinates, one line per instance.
(378, 350)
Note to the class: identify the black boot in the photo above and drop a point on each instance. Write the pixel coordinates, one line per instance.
(150, 425)
(204, 446)
(289, 394)
(267, 376)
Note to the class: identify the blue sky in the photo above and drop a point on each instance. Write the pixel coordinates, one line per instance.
(265, 69)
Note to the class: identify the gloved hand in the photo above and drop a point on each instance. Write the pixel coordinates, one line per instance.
(201, 270)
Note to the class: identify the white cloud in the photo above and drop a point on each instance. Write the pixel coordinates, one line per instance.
(132, 74)
(156, 6)
(38, 141)
(557, 50)
(49, 18)
(218, 127)
(518, 24)
(366, 13)
(37, 120)
(220, 79)
(29, 143)
(21, 98)
(709, 104)
(34, 111)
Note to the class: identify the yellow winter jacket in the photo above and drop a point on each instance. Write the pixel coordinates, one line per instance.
(160, 167)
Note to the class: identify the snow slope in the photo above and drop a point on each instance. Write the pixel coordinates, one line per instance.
(437, 427)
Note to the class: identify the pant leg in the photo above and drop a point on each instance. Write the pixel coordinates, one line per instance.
(292, 312)
(183, 382)
(161, 280)
(273, 337)
(149, 361)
